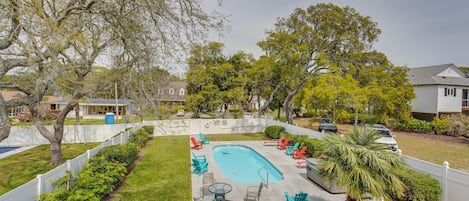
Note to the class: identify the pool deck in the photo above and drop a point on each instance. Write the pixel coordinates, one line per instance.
(295, 179)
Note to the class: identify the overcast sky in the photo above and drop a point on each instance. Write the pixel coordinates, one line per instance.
(414, 32)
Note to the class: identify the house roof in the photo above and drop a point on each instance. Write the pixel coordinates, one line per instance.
(10, 95)
(428, 75)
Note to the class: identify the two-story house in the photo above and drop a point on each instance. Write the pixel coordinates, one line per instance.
(439, 89)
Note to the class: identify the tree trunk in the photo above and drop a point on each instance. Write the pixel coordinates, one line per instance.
(266, 104)
(77, 114)
(56, 152)
(4, 121)
(287, 103)
(356, 117)
(55, 138)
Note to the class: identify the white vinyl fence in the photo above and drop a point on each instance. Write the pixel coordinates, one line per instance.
(43, 182)
(454, 183)
(29, 135)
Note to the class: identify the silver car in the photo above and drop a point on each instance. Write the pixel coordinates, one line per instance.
(387, 138)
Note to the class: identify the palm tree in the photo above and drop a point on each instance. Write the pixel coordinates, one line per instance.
(361, 165)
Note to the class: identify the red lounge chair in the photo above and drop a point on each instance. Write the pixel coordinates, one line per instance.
(273, 142)
(284, 144)
(298, 154)
(195, 144)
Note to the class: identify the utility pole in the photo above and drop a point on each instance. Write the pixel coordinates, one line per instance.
(117, 106)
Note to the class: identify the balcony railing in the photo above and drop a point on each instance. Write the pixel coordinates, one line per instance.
(465, 103)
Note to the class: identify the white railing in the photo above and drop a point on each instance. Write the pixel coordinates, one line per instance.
(43, 182)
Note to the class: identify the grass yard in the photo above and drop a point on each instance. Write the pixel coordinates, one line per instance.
(23, 167)
(435, 151)
(164, 173)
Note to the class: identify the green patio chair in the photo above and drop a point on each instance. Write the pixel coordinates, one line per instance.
(291, 149)
(199, 167)
(301, 196)
(200, 158)
(204, 139)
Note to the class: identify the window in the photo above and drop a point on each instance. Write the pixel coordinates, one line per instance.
(181, 92)
(450, 91)
(171, 91)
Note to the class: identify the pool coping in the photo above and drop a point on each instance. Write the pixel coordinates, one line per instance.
(250, 148)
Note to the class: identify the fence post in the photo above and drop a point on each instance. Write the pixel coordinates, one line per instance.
(69, 165)
(88, 154)
(39, 184)
(444, 181)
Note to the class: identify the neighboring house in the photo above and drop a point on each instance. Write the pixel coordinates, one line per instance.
(440, 89)
(98, 107)
(10, 95)
(172, 94)
(90, 108)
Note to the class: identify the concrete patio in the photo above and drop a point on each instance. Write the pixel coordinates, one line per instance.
(295, 179)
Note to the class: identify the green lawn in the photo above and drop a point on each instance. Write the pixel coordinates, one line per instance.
(435, 151)
(164, 173)
(23, 167)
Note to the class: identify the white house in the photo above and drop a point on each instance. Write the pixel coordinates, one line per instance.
(440, 89)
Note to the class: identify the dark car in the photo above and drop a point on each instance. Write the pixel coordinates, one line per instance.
(326, 125)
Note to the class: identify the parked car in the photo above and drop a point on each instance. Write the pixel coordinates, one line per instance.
(327, 125)
(180, 113)
(387, 138)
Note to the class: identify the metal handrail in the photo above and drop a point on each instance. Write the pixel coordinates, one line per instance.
(266, 181)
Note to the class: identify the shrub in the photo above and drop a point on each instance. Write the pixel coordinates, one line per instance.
(274, 131)
(440, 126)
(97, 179)
(149, 129)
(139, 137)
(415, 125)
(419, 186)
(315, 146)
(124, 153)
(459, 125)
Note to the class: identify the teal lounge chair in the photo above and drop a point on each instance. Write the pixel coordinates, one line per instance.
(199, 167)
(201, 158)
(291, 149)
(301, 196)
(203, 139)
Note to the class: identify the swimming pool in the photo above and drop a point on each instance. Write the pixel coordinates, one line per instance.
(242, 164)
(7, 149)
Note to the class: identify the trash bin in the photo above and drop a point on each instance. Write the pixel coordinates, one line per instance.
(109, 118)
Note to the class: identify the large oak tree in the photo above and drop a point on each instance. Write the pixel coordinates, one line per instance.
(53, 38)
(307, 39)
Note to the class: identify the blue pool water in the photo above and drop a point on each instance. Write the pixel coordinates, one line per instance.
(241, 164)
(7, 149)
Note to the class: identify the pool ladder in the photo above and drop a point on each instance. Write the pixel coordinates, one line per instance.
(265, 180)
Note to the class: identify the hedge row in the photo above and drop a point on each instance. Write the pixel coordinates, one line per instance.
(419, 186)
(100, 174)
